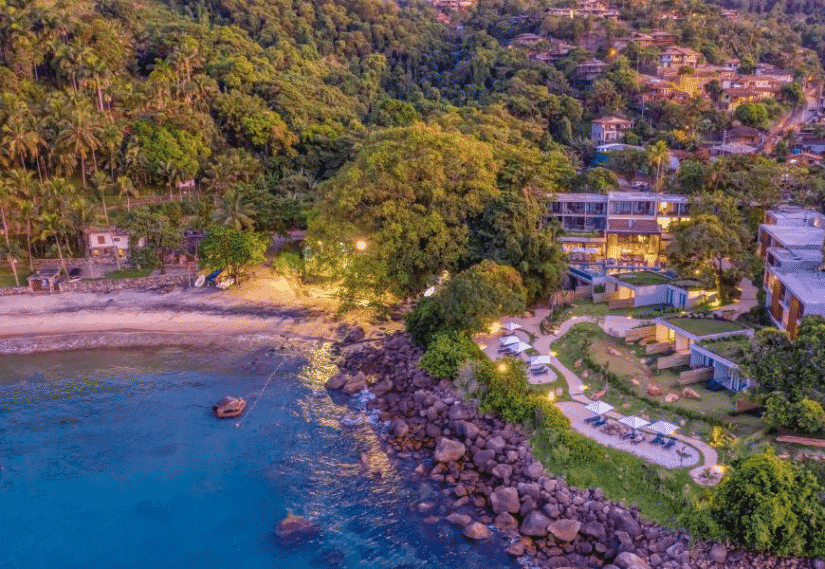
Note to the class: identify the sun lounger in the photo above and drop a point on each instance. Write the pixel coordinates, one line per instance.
(670, 444)
(658, 440)
(592, 419)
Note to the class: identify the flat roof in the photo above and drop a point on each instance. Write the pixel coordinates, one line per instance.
(635, 226)
(645, 196)
(796, 235)
(793, 212)
(807, 287)
(576, 197)
(804, 255)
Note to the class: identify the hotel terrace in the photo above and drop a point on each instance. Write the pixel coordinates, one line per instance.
(615, 232)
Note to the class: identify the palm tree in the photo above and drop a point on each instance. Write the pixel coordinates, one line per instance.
(102, 184)
(125, 188)
(7, 200)
(54, 225)
(656, 155)
(20, 137)
(78, 137)
(27, 192)
(232, 210)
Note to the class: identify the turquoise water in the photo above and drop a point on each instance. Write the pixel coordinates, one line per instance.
(112, 459)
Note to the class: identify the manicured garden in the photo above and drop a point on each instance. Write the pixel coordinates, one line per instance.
(643, 278)
(732, 349)
(705, 326)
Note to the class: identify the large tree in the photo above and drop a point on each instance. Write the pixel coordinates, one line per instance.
(702, 245)
(231, 249)
(398, 212)
(767, 503)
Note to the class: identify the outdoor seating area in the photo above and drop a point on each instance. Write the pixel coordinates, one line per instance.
(626, 427)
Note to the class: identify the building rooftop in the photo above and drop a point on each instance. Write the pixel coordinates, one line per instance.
(793, 236)
(614, 146)
(634, 226)
(792, 213)
(807, 287)
(580, 197)
(734, 148)
(612, 120)
(802, 255)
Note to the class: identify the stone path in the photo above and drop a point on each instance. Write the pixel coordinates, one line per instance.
(615, 326)
(746, 301)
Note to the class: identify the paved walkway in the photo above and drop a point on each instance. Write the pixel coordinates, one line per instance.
(747, 299)
(615, 326)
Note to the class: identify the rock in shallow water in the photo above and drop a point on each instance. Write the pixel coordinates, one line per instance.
(292, 528)
(477, 531)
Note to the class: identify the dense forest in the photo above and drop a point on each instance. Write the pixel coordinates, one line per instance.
(409, 147)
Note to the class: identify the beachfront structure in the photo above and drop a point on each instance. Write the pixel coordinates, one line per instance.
(609, 129)
(44, 280)
(648, 288)
(617, 229)
(105, 242)
(791, 241)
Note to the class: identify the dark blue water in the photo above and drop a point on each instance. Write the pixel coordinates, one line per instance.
(112, 459)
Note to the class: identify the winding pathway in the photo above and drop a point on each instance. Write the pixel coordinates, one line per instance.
(615, 326)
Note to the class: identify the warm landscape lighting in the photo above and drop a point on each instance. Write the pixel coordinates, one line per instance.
(551, 396)
(502, 367)
(361, 245)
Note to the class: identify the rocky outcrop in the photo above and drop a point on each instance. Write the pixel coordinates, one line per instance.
(294, 528)
(449, 450)
(489, 479)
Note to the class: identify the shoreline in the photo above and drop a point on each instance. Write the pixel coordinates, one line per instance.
(253, 316)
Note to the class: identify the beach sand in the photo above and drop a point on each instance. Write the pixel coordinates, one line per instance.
(261, 310)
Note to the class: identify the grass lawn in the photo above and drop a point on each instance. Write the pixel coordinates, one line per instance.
(659, 493)
(545, 388)
(705, 326)
(7, 277)
(129, 274)
(714, 405)
(729, 348)
(643, 278)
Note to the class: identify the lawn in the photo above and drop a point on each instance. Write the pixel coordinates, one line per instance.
(643, 278)
(129, 274)
(659, 493)
(7, 277)
(546, 388)
(729, 348)
(716, 406)
(705, 326)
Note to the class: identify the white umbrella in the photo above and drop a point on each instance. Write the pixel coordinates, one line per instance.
(507, 340)
(541, 360)
(512, 326)
(599, 407)
(430, 291)
(662, 427)
(521, 347)
(634, 422)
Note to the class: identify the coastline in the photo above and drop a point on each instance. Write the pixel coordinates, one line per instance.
(257, 315)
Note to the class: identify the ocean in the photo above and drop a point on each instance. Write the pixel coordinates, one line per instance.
(112, 459)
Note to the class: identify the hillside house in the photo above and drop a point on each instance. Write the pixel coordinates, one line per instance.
(590, 69)
(609, 129)
(676, 57)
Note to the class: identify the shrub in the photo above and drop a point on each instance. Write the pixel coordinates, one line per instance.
(424, 321)
(446, 352)
(506, 390)
(767, 503)
(809, 416)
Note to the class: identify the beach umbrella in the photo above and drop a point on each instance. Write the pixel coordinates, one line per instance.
(662, 427)
(507, 340)
(512, 326)
(599, 407)
(541, 360)
(520, 347)
(634, 422)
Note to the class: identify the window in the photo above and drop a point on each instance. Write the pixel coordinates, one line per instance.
(101, 240)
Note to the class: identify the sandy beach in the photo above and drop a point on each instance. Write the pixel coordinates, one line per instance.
(263, 310)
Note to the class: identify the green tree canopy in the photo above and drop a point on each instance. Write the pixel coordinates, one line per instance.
(406, 199)
(752, 114)
(767, 503)
(231, 249)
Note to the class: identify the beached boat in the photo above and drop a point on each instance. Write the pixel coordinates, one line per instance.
(229, 407)
(200, 281)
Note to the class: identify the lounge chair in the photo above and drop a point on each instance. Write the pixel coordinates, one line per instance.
(670, 444)
(658, 440)
(539, 371)
(592, 419)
